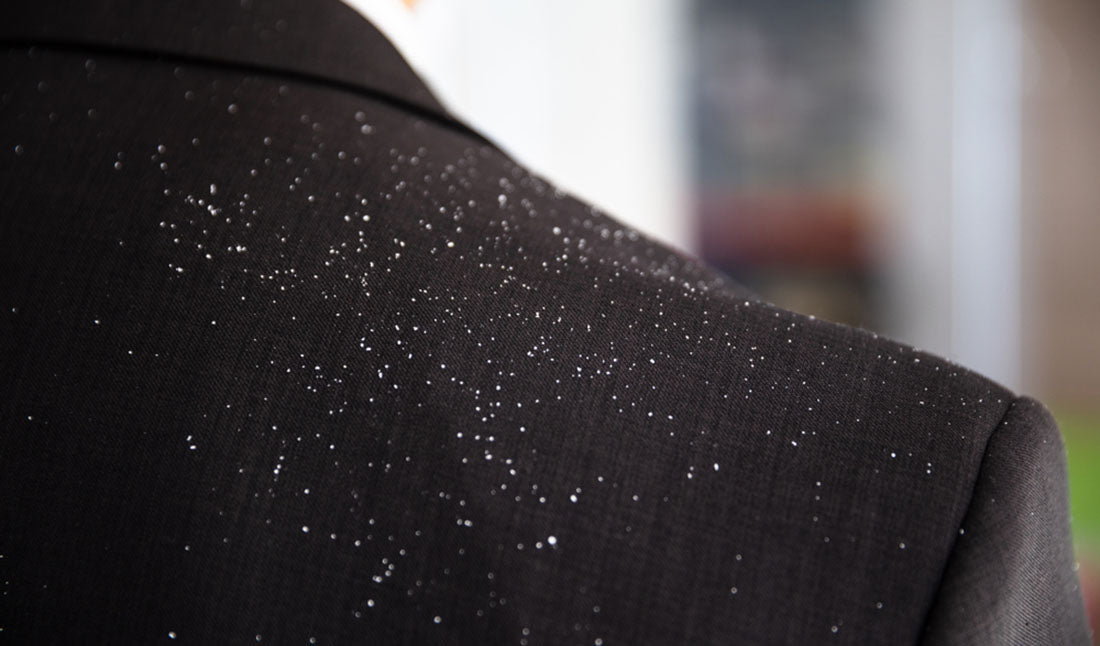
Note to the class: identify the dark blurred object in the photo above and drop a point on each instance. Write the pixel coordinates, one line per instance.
(782, 104)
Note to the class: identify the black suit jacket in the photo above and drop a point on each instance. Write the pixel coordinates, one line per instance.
(291, 355)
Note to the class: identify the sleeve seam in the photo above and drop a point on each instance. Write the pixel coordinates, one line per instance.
(1016, 399)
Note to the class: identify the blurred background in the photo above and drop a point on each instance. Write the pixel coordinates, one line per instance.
(927, 170)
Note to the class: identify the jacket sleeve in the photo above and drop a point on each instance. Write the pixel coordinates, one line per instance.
(1011, 577)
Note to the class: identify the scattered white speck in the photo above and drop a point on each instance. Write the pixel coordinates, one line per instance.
(305, 529)
(552, 540)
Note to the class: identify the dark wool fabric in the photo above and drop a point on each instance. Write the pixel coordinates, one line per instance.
(290, 355)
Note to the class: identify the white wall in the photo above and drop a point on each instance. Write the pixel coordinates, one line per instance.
(951, 72)
(585, 93)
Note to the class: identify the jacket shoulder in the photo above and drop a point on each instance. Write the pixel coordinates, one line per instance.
(1011, 576)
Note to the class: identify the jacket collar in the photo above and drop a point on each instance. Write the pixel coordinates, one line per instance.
(323, 40)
